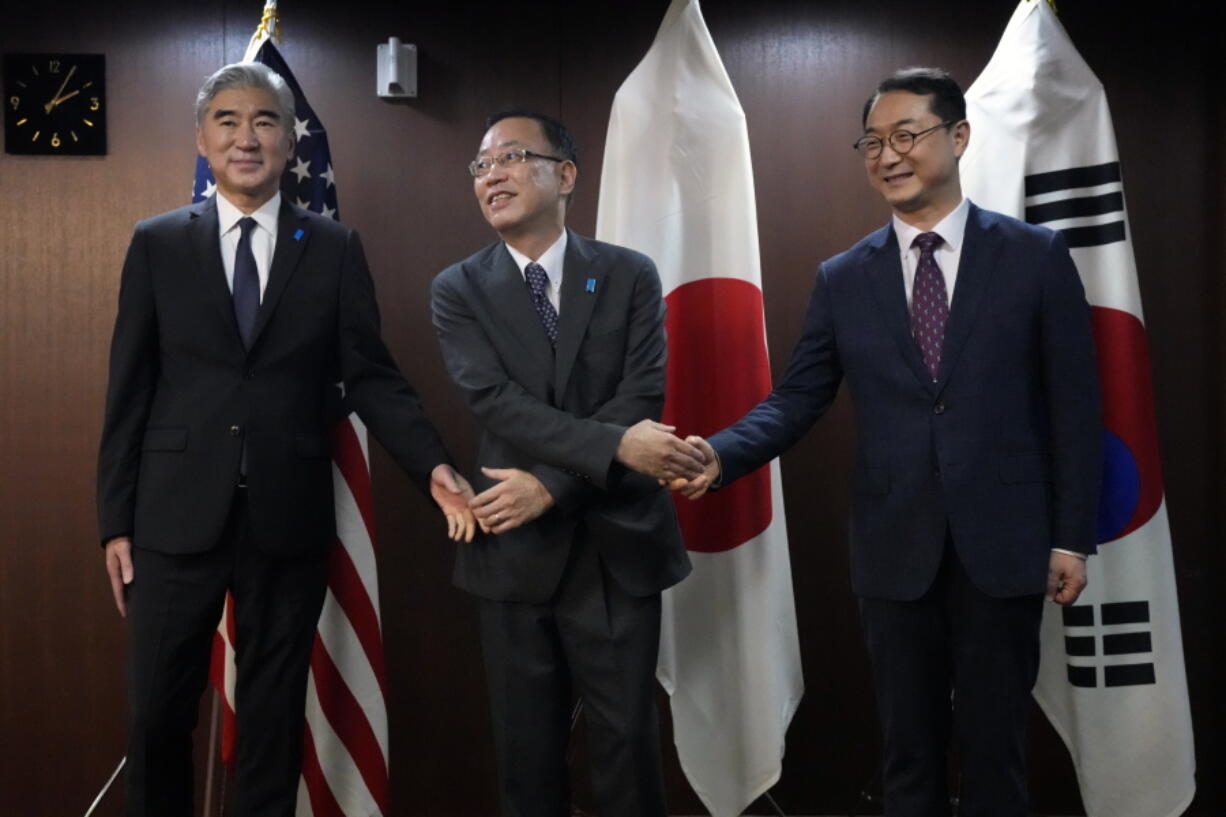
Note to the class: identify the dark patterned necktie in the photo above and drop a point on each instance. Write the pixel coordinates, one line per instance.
(538, 281)
(929, 303)
(246, 284)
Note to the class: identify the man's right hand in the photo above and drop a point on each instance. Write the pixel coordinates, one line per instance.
(699, 485)
(119, 568)
(651, 448)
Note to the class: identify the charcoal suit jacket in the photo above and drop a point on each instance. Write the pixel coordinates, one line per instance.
(560, 414)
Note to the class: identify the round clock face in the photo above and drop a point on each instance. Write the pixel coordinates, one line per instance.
(55, 104)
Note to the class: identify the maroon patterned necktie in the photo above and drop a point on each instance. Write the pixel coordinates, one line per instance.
(929, 303)
(538, 282)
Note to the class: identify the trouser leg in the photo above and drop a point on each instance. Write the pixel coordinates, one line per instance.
(996, 661)
(529, 689)
(909, 653)
(611, 639)
(277, 602)
(174, 604)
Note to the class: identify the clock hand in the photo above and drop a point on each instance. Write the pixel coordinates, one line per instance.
(55, 99)
(60, 99)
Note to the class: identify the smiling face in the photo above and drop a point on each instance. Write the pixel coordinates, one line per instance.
(525, 202)
(921, 186)
(246, 145)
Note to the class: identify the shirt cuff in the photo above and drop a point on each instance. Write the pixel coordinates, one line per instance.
(1080, 556)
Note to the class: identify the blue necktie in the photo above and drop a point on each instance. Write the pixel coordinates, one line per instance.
(538, 281)
(246, 284)
(929, 304)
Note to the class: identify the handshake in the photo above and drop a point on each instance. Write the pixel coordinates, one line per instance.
(686, 465)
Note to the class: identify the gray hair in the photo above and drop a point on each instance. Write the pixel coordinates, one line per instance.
(247, 75)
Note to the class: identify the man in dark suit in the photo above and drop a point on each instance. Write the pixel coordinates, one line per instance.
(977, 457)
(237, 319)
(557, 344)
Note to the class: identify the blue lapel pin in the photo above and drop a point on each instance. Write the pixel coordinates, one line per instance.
(299, 233)
(591, 285)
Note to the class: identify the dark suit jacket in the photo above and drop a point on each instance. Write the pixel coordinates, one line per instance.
(561, 415)
(1003, 451)
(184, 395)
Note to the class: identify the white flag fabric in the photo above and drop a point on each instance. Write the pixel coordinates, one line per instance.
(1112, 679)
(677, 184)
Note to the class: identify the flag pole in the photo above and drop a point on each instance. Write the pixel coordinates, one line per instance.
(211, 767)
(107, 787)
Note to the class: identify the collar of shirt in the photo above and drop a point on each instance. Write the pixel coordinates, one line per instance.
(228, 215)
(263, 239)
(952, 229)
(552, 261)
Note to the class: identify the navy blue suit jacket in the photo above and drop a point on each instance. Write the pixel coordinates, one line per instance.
(1002, 451)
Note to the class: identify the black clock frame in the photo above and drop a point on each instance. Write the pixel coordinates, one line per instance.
(74, 85)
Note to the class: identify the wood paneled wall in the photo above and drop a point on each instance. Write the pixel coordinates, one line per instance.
(802, 71)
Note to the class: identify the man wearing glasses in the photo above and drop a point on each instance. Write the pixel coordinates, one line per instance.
(964, 337)
(556, 343)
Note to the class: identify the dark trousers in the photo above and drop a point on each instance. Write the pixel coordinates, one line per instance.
(174, 604)
(954, 661)
(603, 640)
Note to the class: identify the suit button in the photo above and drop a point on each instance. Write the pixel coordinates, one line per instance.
(939, 408)
(235, 431)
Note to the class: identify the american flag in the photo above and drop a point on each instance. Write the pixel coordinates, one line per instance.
(344, 769)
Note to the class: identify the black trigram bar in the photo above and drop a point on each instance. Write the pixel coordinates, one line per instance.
(1124, 643)
(1080, 615)
(1095, 235)
(1127, 675)
(1082, 676)
(1075, 208)
(1079, 644)
(1072, 178)
(1126, 612)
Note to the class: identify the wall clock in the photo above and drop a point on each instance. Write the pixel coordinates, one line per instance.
(55, 104)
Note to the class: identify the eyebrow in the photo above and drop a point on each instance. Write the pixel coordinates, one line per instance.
(222, 113)
(896, 125)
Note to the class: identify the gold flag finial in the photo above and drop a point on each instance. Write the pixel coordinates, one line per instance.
(268, 29)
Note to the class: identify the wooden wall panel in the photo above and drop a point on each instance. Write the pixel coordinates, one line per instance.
(802, 70)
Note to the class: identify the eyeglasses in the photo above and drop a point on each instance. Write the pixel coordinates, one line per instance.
(900, 141)
(484, 164)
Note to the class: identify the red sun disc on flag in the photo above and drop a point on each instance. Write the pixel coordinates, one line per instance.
(717, 372)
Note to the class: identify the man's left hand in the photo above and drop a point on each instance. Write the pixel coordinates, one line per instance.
(518, 498)
(1066, 578)
(453, 493)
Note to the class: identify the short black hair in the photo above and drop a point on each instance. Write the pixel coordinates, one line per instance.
(945, 97)
(556, 134)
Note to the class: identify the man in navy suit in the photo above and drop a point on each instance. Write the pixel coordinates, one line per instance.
(238, 317)
(964, 337)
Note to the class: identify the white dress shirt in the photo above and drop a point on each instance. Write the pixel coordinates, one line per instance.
(551, 260)
(263, 236)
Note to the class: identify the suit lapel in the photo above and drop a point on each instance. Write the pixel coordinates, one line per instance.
(981, 247)
(204, 237)
(582, 283)
(885, 277)
(293, 235)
